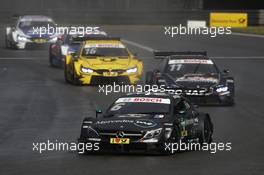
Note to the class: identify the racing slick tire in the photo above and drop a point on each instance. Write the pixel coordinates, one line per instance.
(8, 44)
(70, 77)
(74, 79)
(205, 129)
(54, 62)
(231, 101)
(174, 138)
(66, 75)
(149, 78)
(231, 87)
(51, 59)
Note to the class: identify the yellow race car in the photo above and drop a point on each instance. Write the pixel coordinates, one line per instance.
(102, 61)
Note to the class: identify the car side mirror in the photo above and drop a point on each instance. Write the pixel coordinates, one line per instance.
(135, 54)
(15, 16)
(226, 71)
(59, 39)
(156, 70)
(98, 111)
(74, 54)
(181, 112)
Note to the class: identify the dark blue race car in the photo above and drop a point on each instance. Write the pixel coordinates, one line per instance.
(67, 44)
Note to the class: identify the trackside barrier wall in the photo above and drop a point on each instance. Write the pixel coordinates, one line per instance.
(161, 12)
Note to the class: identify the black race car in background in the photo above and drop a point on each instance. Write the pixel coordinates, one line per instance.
(147, 121)
(194, 75)
(67, 44)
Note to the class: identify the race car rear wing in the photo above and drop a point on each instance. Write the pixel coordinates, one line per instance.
(165, 54)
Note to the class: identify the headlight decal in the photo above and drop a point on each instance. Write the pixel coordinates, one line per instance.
(222, 89)
(132, 70)
(86, 70)
(90, 130)
(21, 38)
(152, 133)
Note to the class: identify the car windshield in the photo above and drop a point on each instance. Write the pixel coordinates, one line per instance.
(107, 51)
(76, 40)
(80, 39)
(139, 105)
(179, 68)
(35, 24)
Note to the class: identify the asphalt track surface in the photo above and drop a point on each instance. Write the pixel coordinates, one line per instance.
(36, 105)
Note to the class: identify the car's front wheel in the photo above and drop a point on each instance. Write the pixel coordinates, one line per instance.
(206, 130)
(231, 100)
(66, 76)
(51, 58)
(167, 147)
(8, 44)
(74, 78)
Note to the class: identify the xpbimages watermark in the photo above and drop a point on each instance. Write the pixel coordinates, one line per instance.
(59, 30)
(56, 145)
(195, 146)
(127, 88)
(213, 32)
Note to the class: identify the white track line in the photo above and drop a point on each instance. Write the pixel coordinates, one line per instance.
(149, 49)
(139, 45)
(248, 35)
(237, 57)
(213, 57)
(17, 58)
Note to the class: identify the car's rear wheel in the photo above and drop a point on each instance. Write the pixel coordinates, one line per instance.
(66, 74)
(231, 100)
(149, 78)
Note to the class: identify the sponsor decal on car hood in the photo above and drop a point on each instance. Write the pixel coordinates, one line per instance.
(196, 78)
(190, 61)
(144, 123)
(108, 62)
(104, 45)
(126, 124)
